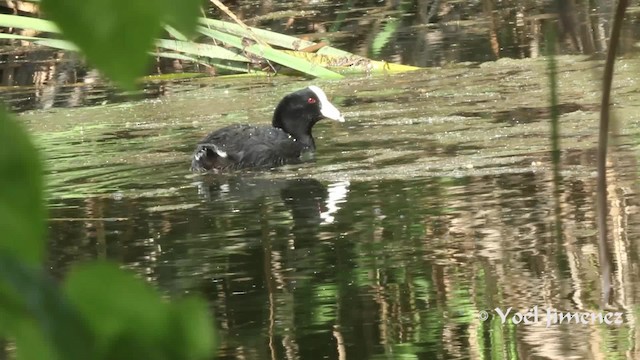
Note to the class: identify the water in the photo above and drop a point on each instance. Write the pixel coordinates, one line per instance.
(431, 204)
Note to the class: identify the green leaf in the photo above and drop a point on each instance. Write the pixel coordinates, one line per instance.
(132, 321)
(54, 43)
(26, 22)
(30, 342)
(195, 49)
(271, 37)
(38, 316)
(272, 54)
(194, 334)
(183, 15)
(219, 64)
(175, 33)
(117, 306)
(114, 35)
(22, 208)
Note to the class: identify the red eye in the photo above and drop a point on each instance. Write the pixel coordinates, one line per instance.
(311, 100)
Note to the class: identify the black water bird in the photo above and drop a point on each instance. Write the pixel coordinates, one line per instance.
(253, 146)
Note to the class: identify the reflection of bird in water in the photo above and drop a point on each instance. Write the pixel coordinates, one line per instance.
(310, 201)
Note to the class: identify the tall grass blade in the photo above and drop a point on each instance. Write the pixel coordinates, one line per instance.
(52, 43)
(270, 37)
(195, 49)
(25, 22)
(175, 33)
(603, 137)
(328, 62)
(271, 54)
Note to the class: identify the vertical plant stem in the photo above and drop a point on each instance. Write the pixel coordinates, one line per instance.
(601, 192)
(550, 43)
(233, 16)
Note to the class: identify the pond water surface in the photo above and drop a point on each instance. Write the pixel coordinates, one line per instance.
(432, 203)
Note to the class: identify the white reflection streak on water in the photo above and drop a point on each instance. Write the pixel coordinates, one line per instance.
(337, 195)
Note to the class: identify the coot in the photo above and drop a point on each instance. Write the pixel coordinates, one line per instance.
(250, 146)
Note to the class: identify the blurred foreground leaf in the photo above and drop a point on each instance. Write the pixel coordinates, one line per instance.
(182, 15)
(132, 321)
(22, 208)
(116, 35)
(32, 311)
(105, 313)
(193, 334)
(37, 316)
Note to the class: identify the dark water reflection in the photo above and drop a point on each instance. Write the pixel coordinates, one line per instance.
(402, 267)
(425, 208)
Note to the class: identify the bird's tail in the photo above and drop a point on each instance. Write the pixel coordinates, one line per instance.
(208, 157)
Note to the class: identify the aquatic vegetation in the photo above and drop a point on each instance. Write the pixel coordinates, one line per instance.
(225, 46)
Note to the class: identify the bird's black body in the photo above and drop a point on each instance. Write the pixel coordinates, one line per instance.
(250, 146)
(247, 146)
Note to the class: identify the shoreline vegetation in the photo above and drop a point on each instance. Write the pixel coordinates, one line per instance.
(228, 48)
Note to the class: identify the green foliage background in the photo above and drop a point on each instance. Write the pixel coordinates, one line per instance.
(101, 311)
